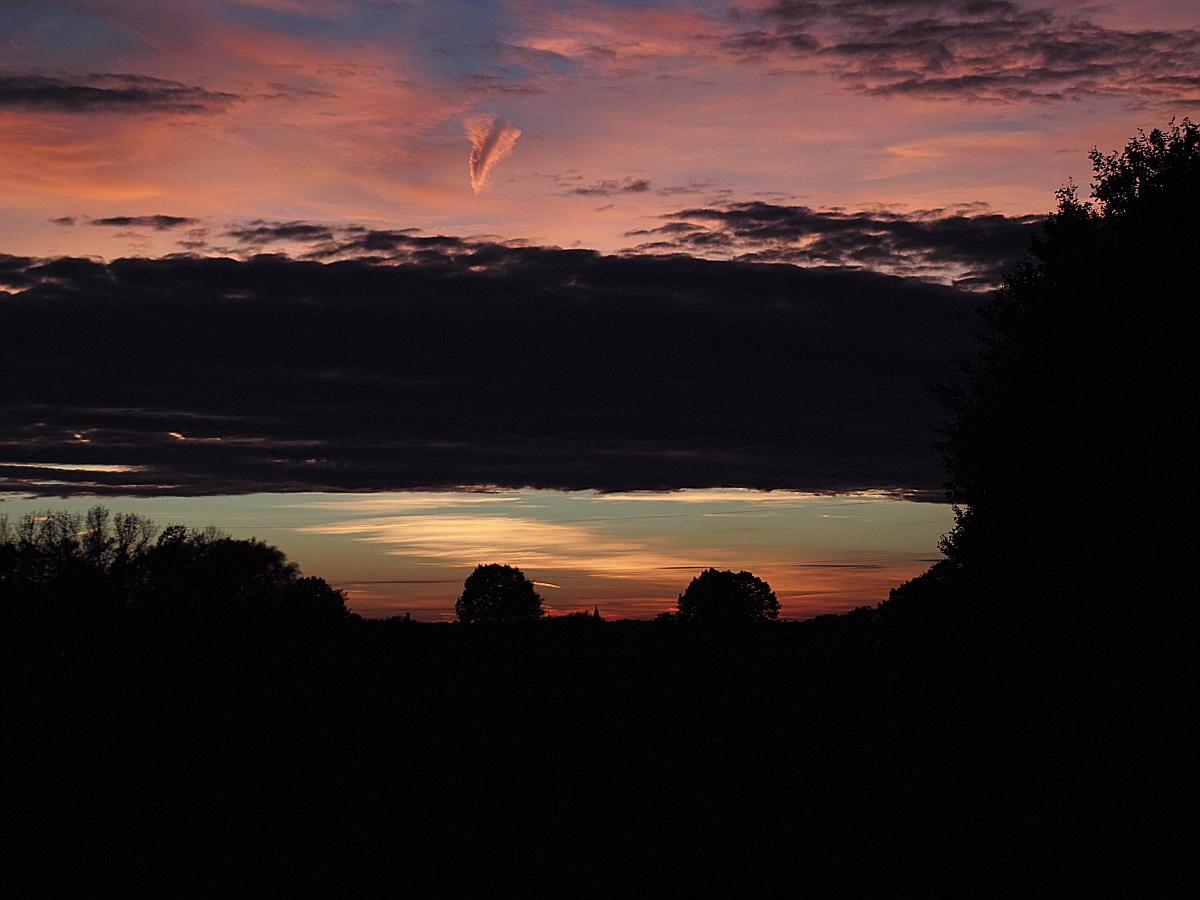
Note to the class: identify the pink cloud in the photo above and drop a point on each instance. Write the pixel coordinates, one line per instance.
(492, 139)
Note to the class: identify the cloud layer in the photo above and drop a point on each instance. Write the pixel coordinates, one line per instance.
(991, 50)
(471, 364)
(971, 247)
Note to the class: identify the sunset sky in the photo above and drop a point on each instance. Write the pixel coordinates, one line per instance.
(666, 279)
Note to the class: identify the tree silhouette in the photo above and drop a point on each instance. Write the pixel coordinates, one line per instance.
(727, 597)
(67, 566)
(311, 599)
(1072, 444)
(497, 593)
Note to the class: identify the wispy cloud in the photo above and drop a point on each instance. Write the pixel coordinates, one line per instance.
(608, 187)
(464, 540)
(320, 241)
(723, 495)
(260, 232)
(107, 92)
(158, 223)
(993, 50)
(492, 139)
(408, 502)
(970, 246)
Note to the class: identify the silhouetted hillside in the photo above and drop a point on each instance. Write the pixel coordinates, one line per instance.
(618, 759)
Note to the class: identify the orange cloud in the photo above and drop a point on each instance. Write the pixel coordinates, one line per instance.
(465, 540)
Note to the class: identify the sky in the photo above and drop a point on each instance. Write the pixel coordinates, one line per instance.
(387, 282)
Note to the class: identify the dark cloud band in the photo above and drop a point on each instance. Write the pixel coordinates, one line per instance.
(470, 364)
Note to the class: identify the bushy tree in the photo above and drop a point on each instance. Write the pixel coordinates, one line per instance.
(727, 597)
(213, 575)
(1072, 445)
(497, 593)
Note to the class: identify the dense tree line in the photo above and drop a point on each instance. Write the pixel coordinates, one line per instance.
(78, 571)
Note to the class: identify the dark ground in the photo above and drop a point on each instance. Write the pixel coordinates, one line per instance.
(579, 759)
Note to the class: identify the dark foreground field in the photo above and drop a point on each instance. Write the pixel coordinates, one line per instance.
(580, 759)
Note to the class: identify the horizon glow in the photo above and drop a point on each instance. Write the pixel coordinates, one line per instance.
(631, 555)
